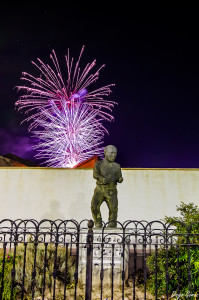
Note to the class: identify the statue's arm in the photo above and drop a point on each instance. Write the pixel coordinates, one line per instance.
(96, 174)
(120, 176)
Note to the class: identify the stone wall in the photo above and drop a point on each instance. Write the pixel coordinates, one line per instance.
(145, 194)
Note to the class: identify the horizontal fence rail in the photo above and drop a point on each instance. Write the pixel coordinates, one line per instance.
(66, 259)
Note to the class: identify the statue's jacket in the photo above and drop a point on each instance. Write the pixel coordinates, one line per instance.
(111, 171)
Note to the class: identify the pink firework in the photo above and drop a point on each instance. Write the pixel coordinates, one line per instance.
(50, 86)
(68, 135)
(66, 116)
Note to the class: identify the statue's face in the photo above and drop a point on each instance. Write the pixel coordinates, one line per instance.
(110, 154)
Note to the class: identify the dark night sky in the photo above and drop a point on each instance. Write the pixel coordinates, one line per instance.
(151, 54)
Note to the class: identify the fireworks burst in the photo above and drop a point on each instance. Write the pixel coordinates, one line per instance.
(70, 135)
(50, 86)
(65, 115)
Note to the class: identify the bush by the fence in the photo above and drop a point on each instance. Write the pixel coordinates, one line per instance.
(179, 255)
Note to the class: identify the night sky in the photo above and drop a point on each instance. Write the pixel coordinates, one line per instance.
(151, 54)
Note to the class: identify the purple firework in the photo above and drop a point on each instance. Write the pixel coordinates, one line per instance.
(68, 135)
(50, 86)
(66, 116)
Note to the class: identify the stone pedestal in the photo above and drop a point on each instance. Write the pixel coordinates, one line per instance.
(112, 252)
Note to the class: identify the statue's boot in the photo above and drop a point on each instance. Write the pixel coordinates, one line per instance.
(98, 225)
(112, 224)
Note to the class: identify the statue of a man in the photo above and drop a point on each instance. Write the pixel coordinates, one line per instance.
(108, 174)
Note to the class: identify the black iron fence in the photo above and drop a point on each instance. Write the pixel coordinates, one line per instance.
(71, 260)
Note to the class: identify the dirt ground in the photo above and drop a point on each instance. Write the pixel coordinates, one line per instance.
(96, 294)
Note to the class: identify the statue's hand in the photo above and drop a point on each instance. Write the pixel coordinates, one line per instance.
(103, 181)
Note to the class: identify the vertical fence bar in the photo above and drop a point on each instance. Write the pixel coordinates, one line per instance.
(71, 246)
(89, 261)
(44, 277)
(66, 269)
(34, 270)
(144, 261)
(134, 269)
(11, 234)
(13, 271)
(102, 267)
(55, 270)
(112, 271)
(24, 271)
(143, 256)
(145, 271)
(178, 270)
(150, 243)
(189, 264)
(77, 262)
(167, 268)
(156, 271)
(123, 262)
(3, 269)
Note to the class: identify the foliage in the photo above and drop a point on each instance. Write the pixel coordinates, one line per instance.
(179, 255)
(7, 273)
(37, 284)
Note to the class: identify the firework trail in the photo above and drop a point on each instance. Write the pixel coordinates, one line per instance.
(66, 115)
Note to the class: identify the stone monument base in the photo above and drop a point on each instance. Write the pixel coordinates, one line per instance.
(115, 258)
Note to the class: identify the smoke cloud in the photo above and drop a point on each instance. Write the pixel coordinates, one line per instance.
(15, 141)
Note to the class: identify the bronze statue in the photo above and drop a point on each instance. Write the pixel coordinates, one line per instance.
(108, 174)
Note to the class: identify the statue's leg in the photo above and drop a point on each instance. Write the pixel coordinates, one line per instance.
(112, 203)
(95, 207)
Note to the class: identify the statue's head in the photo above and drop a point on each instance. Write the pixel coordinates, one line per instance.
(110, 153)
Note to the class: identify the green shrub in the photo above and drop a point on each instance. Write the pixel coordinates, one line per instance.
(189, 213)
(7, 274)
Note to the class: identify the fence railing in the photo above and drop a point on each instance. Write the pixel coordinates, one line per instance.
(64, 259)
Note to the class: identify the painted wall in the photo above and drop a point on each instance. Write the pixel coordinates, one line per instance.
(147, 194)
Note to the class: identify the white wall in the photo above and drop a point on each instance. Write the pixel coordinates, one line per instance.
(148, 194)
